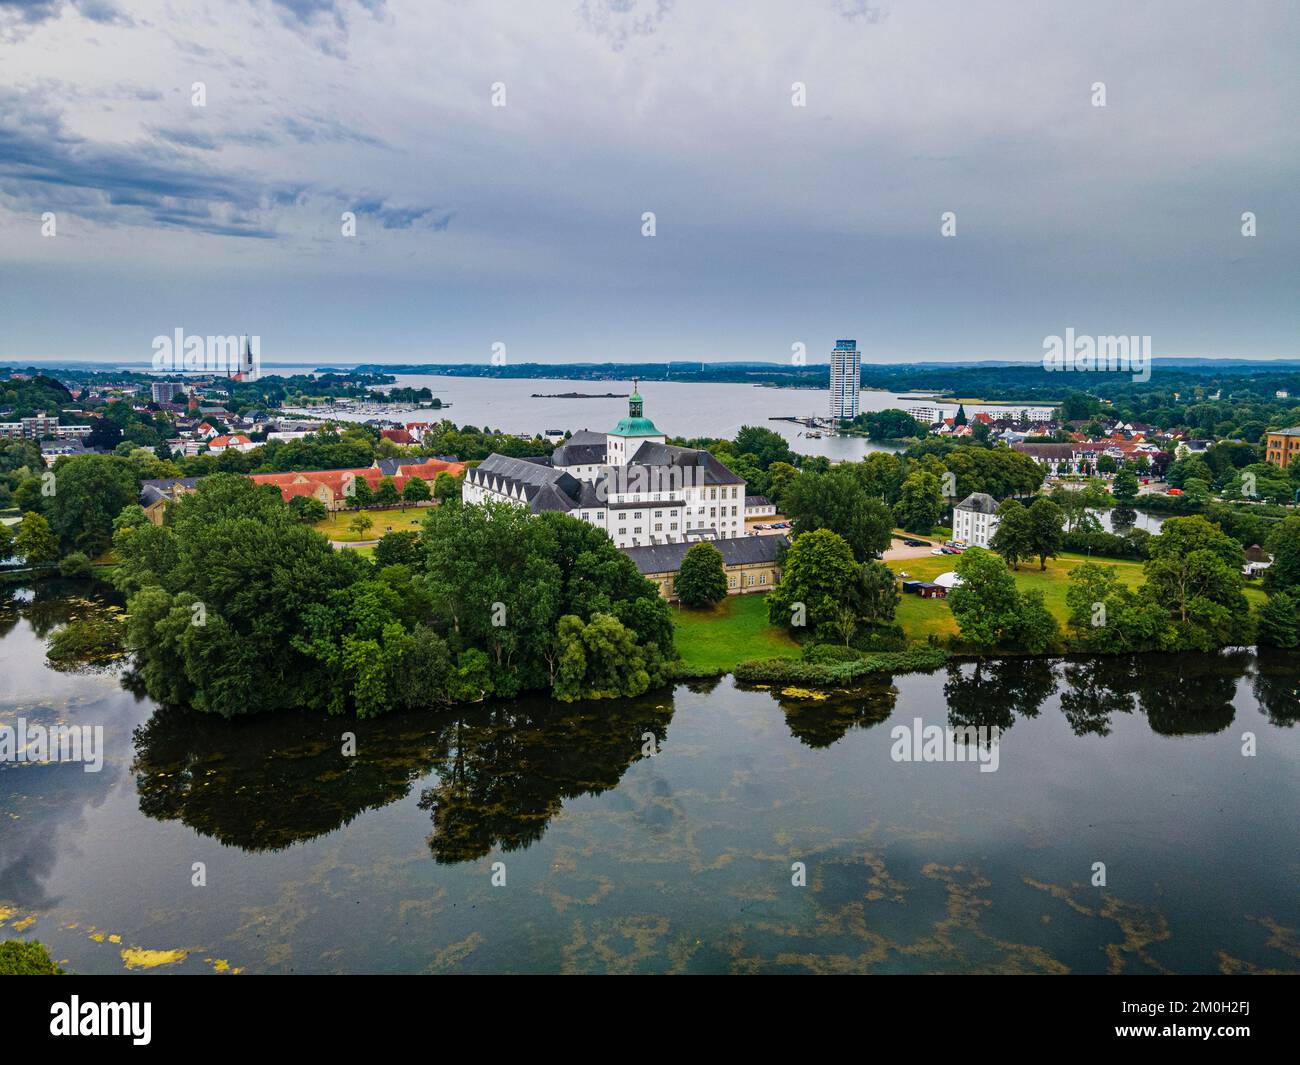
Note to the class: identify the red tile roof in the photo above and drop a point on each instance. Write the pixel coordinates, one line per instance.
(306, 482)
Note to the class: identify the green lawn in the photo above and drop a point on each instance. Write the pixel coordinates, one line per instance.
(734, 631)
(921, 617)
(406, 519)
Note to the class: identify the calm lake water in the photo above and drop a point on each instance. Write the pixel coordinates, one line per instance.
(679, 409)
(621, 861)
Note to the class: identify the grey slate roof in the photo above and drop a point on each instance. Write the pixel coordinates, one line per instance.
(1044, 451)
(712, 471)
(736, 551)
(757, 501)
(583, 448)
(980, 502)
(542, 486)
(152, 491)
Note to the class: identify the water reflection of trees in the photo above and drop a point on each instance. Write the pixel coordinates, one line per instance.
(822, 719)
(1094, 690)
(267, 782)
(505, 771)
(46, 604)
(1276, 685)
(1181, 695)
(992, 692)
(1189, 695)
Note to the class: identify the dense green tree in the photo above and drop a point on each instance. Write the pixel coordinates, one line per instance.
(890, 424)
(399, 548)
(35, 541)
(1283, 543)
(1125, 486)
(779, 476)
(308, 509)
(75, 565)
(1194, 569)
(1279, 621)
(701, 580)
(503, 578)
(920, 505)
(1014, 537)
(445, 487)
(416, 490)
(30, 496)
(599, 659)
(1047, 530)
(1109, 617)
(836, 501)
(224, 599)
(817, 578)
(986, 604)
(1036, 629)
(874, 594)
(1190, 466)
(362, 494)
(765, 445)
(386, 493)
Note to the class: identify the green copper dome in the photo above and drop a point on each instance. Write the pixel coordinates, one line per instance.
(635, 424)
(635, 427)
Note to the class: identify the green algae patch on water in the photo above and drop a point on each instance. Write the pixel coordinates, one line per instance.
(139, 958)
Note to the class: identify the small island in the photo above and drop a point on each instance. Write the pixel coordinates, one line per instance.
(579, 395)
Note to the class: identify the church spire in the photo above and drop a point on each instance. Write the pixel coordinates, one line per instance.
(634, 403)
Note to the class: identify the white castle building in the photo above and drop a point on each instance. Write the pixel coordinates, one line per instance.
(975, 520)
(630, 482)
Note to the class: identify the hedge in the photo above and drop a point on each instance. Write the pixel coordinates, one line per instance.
(837, 674)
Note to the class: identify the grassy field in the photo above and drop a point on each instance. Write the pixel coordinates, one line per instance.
(407, 519)
(734, 631)
(921, 617)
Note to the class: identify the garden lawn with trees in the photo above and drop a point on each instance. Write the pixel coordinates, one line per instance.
(717, 639)
(920, 618)
(339, 528)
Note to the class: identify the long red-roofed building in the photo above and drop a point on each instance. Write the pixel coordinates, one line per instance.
(331, 487)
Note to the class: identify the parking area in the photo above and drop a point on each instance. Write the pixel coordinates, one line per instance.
(898, 549)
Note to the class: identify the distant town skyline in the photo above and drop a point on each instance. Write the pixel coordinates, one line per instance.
(386, 181)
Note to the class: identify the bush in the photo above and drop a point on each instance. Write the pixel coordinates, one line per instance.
(1110, 545)
(826, 654)
(680, 671)
(18, 958)
(880, 637)
(784, 671)
(75, 565)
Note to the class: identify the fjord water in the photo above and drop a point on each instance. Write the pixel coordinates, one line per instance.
(618, 860)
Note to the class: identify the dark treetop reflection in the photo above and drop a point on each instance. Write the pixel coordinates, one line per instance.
(503, 770)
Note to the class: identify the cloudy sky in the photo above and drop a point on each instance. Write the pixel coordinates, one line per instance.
(522, 224)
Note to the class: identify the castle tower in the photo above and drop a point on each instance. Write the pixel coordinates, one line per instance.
(631, 432)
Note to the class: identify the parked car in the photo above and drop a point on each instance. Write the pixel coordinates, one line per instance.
(915, 543)
(939, 551)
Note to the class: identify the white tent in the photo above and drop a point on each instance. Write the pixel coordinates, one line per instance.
(948, 580)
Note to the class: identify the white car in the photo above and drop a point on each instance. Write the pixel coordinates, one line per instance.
(937, 551)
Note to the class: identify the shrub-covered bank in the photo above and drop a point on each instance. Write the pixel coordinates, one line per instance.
(837, 674)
